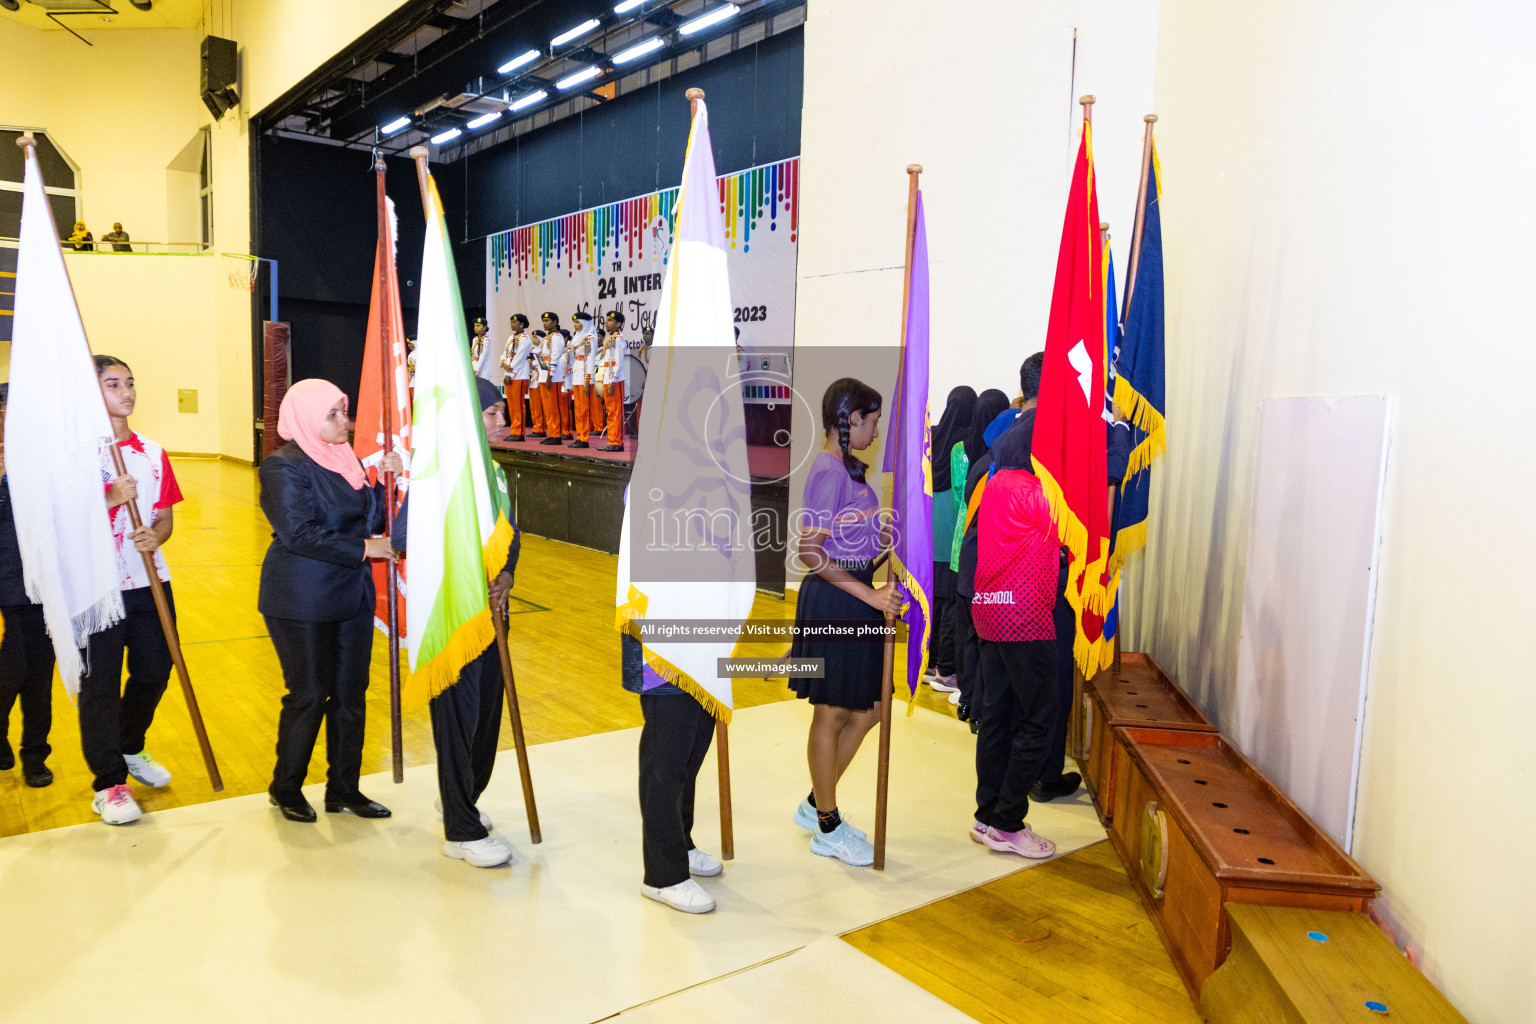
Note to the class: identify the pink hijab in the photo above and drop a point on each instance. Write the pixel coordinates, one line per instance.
(299, 419)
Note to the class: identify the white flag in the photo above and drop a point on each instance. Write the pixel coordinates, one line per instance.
(686, 549)
(55, 427)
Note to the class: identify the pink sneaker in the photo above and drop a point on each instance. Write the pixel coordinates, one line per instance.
(978, 832)
(1024, 842)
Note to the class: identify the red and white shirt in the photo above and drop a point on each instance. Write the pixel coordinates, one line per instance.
(146, 462)
(1017, 557)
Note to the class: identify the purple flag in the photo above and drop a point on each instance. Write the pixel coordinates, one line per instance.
(908, 480)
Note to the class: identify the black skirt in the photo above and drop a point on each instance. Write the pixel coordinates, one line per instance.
(852, 676)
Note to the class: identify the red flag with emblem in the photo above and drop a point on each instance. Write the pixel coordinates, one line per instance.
(1069, 440)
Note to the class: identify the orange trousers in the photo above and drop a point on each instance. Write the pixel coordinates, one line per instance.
(551, 395)
(595, 410)
(516, 390)
(615, 404)
(536, 408)
(567, 414)
(581, 399)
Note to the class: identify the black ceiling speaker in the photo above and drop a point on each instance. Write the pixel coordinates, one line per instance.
(219, 74)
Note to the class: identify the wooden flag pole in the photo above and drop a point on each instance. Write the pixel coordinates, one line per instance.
(888, 671)
(386, 379)
(498, 619)
(157, 589)
(1141, 207)
(722, 731)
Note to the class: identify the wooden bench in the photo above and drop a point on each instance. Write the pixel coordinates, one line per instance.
(1291, 966)
(1140, 694)
(1199, 827)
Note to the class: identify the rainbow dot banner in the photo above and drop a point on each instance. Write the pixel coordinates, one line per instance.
(612, 258)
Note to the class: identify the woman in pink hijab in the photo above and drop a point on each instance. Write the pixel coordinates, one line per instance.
(317, 595)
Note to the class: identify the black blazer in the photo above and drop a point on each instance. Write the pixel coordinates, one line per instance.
(315, 570)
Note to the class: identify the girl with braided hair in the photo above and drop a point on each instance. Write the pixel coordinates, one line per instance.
(840, 536)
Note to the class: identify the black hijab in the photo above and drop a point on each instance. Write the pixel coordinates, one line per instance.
(991, 403)
(1012, 450)
(953, 426)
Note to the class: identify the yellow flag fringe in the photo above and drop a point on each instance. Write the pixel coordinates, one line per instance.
(910, 582)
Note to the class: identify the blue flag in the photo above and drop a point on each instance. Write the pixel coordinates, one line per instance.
(906, 465)
(1139, 380)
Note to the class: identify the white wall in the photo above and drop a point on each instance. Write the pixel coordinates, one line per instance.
(1347, 210)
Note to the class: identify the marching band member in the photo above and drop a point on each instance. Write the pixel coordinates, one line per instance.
(613, 381)
(538, 378)
(481, 355)
(514, 360)
(583, 346)
(554, 357)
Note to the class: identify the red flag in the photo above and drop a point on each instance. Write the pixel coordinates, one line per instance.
(368, 438)
(1069, 440)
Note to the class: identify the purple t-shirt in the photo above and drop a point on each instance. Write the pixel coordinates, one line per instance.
(838, 505)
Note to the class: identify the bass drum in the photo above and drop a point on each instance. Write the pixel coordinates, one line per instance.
(634, 374)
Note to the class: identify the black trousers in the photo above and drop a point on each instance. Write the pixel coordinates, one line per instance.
(967, 654)
(26, 671)
(673, 742)
(1017, 718)
(941, 647)
(114, 716)
(325, 667)
(466, 723)
(1066, 631)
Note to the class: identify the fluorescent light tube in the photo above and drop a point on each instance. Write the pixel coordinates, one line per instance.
(395, 125)
(529, 100)
(451, 133)
(575, 33)
(584, 75)
(714, 17)
(517, 62)
(627, 5)
(484, 119)
(639, 50)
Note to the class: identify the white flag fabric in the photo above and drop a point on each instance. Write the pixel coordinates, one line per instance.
(55, 428)
(686, 549)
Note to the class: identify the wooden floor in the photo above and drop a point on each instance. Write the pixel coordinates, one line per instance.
(1065, 942)
(985, 951)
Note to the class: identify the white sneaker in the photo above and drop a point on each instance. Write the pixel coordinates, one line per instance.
(116, 805)
(843, 844)
(689, 897)
(944, 684)
(146, 771)
(485, 819)
(805, 817)
(954, 698)
(702, 864)
(482, 853)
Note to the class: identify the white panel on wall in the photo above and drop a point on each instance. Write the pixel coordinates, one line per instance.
(1309, 596)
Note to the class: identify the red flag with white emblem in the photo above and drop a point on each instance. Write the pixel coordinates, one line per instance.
(1069, 439)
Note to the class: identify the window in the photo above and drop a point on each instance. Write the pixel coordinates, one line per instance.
(60, 181)
(205, 185)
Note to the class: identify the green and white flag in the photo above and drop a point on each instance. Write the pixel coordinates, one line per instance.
(461, 514)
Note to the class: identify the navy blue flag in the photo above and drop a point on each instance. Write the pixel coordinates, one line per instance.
(1139, 378)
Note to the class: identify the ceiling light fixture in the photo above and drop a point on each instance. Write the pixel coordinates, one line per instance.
(714, 17)
(451, 133)
(517, 62)
(395, 125)
(529, 100)
(571, 81)
(651, 45)
(484, 119)
(575, 33)
(627, 5)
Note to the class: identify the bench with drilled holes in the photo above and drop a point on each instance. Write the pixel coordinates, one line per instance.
(1199, 828)
(1140, 694)
(1292, 966)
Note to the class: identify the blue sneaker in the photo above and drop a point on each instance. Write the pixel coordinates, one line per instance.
(805, 817)
(846, 844)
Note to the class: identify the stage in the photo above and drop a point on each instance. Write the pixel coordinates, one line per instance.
(576, 495)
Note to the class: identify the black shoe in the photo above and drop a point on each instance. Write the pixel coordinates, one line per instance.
(550, 440)
(37, 776)
(535, 433)
(519, 438)
(611, 448)
(298, 810)
(1056, 790)
(356, 804)
(7, 755)
(578, 444)
(975, 727)
(963, 711)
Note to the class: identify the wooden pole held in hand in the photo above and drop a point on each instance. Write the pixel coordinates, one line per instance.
(1087, 103)
(888, 668)
(386, 408)
(514, 712)
(419, 154)
(156, 588)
